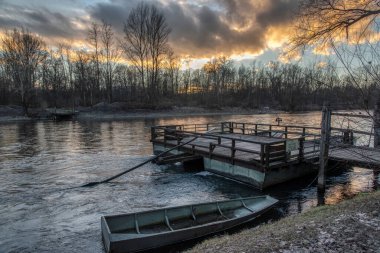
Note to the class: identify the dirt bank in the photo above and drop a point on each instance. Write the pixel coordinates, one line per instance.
(12, 113)
(350, 226)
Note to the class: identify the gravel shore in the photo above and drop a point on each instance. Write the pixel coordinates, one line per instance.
(350, 226)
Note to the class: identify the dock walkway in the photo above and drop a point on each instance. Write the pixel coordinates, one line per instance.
(363, 156)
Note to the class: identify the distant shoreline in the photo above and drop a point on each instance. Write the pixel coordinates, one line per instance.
(91, 114)
(164, 114)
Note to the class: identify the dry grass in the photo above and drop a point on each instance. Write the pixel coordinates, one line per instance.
(350, 226)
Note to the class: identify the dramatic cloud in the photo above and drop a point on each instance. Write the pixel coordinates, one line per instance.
(200, 28)
(207, 28)
(51, 23)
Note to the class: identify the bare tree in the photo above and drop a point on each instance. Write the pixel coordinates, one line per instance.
(22, 53)
(111, 56)
(324, 21)
(135, 44)
(173, 66)
(82, 73)
(67, 51)
(145, 43)
(54, 75)
(158, 32)
(94, 40)
(347, 27)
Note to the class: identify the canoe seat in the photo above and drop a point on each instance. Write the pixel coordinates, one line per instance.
(156, 228)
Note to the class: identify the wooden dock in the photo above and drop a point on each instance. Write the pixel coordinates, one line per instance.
(262, 145)
(62, 114)
(362, 156)
(260, 154)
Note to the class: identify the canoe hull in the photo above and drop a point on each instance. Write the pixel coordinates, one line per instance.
(119, 243)
(160, 240)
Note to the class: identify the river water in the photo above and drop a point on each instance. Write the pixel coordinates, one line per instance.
(39, 160)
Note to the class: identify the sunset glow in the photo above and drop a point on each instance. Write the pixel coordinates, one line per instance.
(200, 29)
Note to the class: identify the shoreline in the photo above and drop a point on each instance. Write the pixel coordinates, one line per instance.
(160, 114)
(10, 114)
(96, 115)
(352, 225)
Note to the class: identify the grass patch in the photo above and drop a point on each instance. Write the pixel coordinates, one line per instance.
(352, 225)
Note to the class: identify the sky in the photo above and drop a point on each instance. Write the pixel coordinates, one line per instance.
(201, 29)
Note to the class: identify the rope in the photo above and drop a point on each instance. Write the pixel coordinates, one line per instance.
(143, 163)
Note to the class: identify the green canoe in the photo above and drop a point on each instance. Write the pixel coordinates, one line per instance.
(135, 232)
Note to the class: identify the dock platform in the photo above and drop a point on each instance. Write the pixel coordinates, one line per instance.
(258, 154)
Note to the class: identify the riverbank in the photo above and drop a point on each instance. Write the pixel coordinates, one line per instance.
(13, 113)
(175, 112)
(350, 226)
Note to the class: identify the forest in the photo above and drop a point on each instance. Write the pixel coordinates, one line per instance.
(139, 70)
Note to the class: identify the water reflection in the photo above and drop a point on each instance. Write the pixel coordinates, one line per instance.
(28, 138)
(350, 183)
(39, 159)
(90, 135)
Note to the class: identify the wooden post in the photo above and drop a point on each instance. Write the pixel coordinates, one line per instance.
(321, 198)
(301, 149)
(351, 137)
(211, 149)
(324, 146)
(287, 155)
(348, 137)
(152, 133)
(376, 125)
(267, 155)
(233, 150)
(376, 174)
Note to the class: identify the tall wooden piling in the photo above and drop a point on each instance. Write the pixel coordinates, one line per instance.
(376, 175)
(376, 125)
(324, 146)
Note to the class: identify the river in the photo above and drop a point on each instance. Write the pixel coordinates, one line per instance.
(39, 160)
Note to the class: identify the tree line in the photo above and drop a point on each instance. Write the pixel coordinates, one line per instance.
(141, 70)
